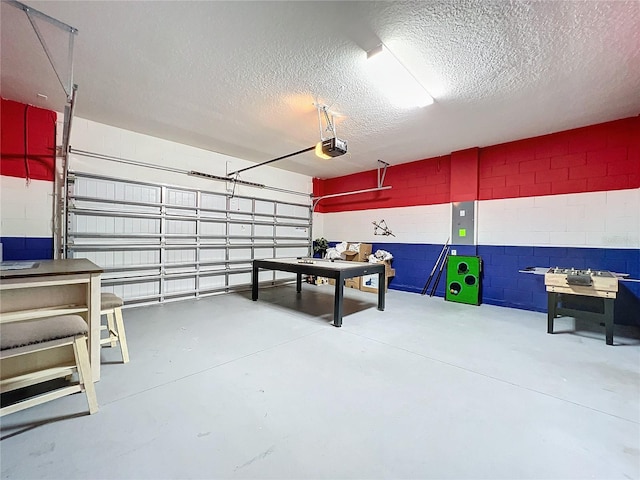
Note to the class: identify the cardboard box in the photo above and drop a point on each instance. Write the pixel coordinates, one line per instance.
(354, 282)
(389, 272)
(360, 256)
(370, 282)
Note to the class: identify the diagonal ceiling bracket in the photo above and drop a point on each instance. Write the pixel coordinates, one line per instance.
(32, 14)
(70, 89)
(383, 173)
(329, 122)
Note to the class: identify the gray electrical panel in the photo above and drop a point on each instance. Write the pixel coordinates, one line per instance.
(463, 223)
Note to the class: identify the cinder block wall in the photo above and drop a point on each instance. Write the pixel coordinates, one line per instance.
(27, 207)
(570, 199)
(27, 168)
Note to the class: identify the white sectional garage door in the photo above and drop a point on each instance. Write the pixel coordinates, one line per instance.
(159, 243)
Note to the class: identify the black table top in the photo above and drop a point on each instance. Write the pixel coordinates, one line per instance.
(321, 267)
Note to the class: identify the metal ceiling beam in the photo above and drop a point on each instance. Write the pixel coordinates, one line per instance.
(194, 173)
(316, 200)
(271, 161)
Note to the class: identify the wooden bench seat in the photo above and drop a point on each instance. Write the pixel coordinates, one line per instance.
(25, 337)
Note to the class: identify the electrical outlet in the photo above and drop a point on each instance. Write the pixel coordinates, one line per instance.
(454, 252)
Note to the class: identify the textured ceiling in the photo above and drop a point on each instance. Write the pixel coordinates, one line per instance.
(241, 78)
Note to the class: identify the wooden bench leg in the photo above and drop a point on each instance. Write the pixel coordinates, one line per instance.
(122, 337)
(84, 372)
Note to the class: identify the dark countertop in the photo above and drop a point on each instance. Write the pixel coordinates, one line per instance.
(321, 267)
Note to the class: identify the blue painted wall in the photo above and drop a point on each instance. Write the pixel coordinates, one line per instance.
(503, 285)
(26, 248)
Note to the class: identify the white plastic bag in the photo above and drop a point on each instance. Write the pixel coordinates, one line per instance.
(341, 247)
(380, 256)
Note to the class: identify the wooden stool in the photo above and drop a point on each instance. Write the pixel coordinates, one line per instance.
(111, 306)
(26, 337)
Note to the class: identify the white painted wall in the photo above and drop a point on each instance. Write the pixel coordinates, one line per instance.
(422, 224)
(116, 142)
(318, 225)
(598, 219)
(26, 209)
(595, 219)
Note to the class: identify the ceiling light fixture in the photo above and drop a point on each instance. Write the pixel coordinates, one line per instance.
(320, 153)
(331, 147)
(401, 87)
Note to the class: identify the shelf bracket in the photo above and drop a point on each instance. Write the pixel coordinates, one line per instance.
(381, 175)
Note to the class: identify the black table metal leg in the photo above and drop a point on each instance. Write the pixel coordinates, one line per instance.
(552, 302)
(382, 287)
(254, 283)
(608, 319)
(337, 302)
(322, 268)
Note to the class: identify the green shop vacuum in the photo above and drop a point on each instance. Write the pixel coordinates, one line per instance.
(463, 279)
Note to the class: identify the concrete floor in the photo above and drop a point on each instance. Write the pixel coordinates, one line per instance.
(224, 387)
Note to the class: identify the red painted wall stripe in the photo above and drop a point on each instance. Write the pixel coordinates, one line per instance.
(596, 158)
(464, 175)
(424, 182)
(38, 161)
